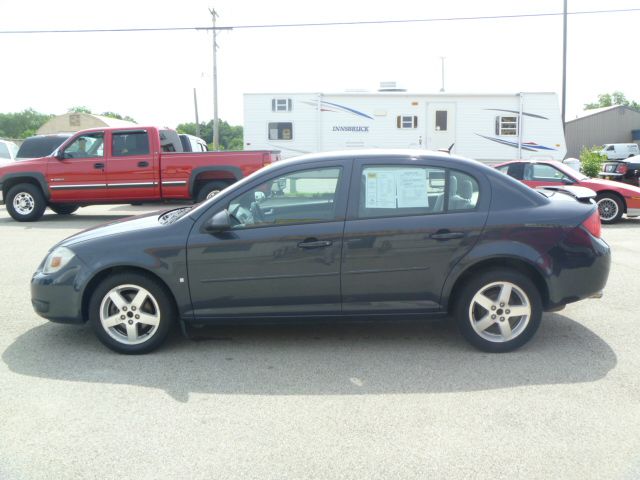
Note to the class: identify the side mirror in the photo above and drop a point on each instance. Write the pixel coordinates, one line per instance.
(220, 222)
(567, 181)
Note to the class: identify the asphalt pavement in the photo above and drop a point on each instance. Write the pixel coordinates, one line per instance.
(394, 400)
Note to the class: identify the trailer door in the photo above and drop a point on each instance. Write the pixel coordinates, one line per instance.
(441, 125)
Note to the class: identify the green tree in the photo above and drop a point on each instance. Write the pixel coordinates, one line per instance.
(611, 99)
(22, 124)
(591, 161)
(231, 136)
(118, 116)
(79, 109)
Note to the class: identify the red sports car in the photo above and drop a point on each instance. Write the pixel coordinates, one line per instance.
(614, 198)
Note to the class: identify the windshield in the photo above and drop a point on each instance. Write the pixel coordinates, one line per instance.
(36, 147)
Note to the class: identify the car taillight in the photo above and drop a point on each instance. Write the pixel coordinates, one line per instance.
(622, 168)
(593, 225)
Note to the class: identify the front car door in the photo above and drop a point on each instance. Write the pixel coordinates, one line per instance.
(282, 256)
(131, 169)
(409, 222)
(79, 174)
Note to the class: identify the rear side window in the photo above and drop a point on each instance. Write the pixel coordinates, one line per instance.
(126, 144)
(414, 190)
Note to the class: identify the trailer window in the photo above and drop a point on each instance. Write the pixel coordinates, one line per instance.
(407, 121)
(441, 120)
(281, 131)
(281, 104)
(507, 126)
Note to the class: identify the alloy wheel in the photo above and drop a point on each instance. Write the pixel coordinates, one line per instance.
(500, 312)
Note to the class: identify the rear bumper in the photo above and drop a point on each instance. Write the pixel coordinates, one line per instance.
(581, 271)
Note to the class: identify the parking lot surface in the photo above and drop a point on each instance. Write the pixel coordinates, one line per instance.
(368, 401)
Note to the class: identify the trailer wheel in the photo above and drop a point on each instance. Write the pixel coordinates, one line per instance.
(25, 202)
(210, 190)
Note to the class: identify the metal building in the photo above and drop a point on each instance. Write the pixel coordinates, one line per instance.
(615, 124)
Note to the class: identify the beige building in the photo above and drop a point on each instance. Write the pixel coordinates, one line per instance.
(72, 122)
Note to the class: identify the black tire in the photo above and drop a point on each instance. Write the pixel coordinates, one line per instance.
(210, 188)
(485, 328)
(610, 208)
(64, 209)
(25, 202)
(157, 305)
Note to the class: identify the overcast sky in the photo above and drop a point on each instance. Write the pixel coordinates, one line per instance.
(151, 76)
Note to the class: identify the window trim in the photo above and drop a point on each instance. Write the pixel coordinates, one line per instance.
(279, 139)
(500, 126)
(400, 122)
(286, 103)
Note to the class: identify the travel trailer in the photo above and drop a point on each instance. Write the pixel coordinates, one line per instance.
(486, 127)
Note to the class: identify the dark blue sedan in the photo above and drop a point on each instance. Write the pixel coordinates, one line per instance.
(345, 234)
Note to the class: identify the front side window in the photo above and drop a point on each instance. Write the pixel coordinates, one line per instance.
(281, 131)
(507, 126)
(301, 197)
(86, 146)
(407, 121)
(540, 172)
(126, 144)
(4, 151)
(414, 190)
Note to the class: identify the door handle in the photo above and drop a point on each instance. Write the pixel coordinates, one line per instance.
(98, 165)
(143, 164)
(313, 243)
(446, 235)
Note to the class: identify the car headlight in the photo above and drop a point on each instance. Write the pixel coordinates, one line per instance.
(57, 260)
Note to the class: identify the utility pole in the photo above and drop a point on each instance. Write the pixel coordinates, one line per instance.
(564, 67)
(442, 59)
(216, 133)
(195, 103)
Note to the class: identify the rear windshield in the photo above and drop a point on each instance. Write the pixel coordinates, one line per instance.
(35, 147)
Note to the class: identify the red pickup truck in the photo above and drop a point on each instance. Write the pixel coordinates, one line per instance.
(121, 165)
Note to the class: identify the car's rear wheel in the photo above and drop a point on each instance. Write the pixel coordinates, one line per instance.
(131, 313)
(64, 209)
(610, 208)
(498, 310)
(25, 202)
(209, 190)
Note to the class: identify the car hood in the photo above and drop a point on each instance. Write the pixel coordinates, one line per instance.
(118, 227)
(602, 184)
(22, 165)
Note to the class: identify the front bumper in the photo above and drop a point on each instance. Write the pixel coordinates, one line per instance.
(58, 297)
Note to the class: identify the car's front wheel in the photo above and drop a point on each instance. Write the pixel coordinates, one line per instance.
(25, 202)
(498, 310)
(131, 313)
(610, 207)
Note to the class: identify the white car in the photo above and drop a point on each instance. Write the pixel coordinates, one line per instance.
(8, 151)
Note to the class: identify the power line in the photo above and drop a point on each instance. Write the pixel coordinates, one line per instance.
(325, 24)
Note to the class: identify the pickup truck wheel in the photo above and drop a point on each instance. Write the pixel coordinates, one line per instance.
(131, 313)
(25, 202)
(64, 209)
(609, 207)
(498, 310)
(209, 190)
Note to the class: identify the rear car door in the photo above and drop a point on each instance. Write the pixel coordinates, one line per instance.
(132, 166)
(283, 254)
(77, 174)
(408, 224)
